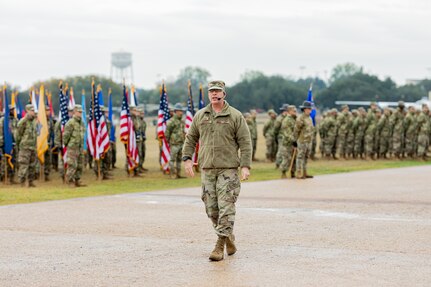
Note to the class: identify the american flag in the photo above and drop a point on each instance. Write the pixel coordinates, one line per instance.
(190, 109)
(127, 133)
(164, 116)
(97, 132)
(64, 117)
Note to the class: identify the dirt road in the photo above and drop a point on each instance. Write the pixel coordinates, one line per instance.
(357, 229)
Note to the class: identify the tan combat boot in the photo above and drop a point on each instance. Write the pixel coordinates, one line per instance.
(230, 245)
(218, 252)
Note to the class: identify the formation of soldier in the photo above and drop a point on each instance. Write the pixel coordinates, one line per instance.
(373, 134)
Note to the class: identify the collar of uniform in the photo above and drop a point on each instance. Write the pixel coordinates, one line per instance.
(224, 112)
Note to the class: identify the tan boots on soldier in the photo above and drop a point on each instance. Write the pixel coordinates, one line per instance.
(218, 252)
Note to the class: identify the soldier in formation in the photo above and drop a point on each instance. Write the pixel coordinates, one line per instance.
(268, 133)
(175, 135)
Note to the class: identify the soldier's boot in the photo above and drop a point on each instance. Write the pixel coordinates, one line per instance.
(22, 182)
(106, 177)
(172, 173)
(230, 245)
(306, 175)
(31, 184)
(292, 174)
(334, 156)
(283, 175)
(299, 174)
(218, 252)
(78, 183)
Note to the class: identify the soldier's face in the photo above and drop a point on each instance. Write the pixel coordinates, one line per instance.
(78, 114)
(179, 113)
(307, 111)
(215, 95)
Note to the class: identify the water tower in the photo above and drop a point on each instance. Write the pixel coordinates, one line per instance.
(121, 67)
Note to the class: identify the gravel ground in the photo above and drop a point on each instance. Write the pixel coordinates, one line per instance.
(358, 229)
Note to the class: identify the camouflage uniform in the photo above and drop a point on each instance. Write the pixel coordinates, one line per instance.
(359, 127)
(397, 126)
(48, 154)
(350, 137)
(384, 133)
(58, 146)
(342, 129)
(410, 126)
(105, 162)
(278, 136)
(73, 138)
(13, 124)
(370, 132)
(303, 135)
(253, 133)
(288, 128)
(175, 135)
(329, 126)
(221, 135)
(143, 125)
(268, 133)
(424, 130)
(26, 137)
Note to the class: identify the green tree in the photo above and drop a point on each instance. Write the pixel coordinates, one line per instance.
(344, 70)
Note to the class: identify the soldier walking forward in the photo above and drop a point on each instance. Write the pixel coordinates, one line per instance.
(221, 130)
(175, 135)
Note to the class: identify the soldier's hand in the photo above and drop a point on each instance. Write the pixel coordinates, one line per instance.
(188, 166)
(245, 173)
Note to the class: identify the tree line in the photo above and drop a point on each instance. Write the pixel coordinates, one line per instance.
(255, 90)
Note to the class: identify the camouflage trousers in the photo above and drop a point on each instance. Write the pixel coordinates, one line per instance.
(270, 148)
(313, 147)
(141, 148)
(75, 161)
(303, 153)
(104, 163)
(369, 144)
(341, 144)
(423, 144)
(220, 190)
(60, 164)
(410, 147)
(114, 154)
(397, 143)
(254, 146)
(359, 145)
(287, 155)
(27, 165)
(329, 145)
(350, 143)
(278, 158)
(383, 145)
(175, 161)
(48, 163)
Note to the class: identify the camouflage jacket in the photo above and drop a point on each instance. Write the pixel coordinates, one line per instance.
(343, 123)
(137, 127)
(423, 124)
(13, 124)
(57, 134)
(304, 129)
(287, 129)
(397, 122)
(253, 131)
(359, 126)
(329, 126)
(26, 134)
(221, 135)
(410, 124)
(277, 126)
(371, 123)
(175, 133)
(268, 128)
(384, 127)
(143, 129)
(74, 131)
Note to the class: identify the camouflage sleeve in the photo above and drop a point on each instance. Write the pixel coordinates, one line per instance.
(57, 134)
(20, 130)
(192, 138)
(265, 127)
(298, 127)
(68, 129)
(243, 139)
(168, 131)
(277, 126)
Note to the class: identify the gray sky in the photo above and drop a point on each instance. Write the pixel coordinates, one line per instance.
(47, 38)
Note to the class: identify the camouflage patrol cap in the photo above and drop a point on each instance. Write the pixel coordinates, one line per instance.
(70, 109)
(29, 107)
(11, 107)
(354, 111)
(401, 104)
(361, 109)
(78, 108)
(271, 111)
(334, 110)
(291, 107)
(247, 115)
(344, 107)
(216, 85)
(141, 109)
(103, 108)
(133, 108)
(253, 111)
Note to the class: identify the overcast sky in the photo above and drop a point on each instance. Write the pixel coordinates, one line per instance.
(47, 38)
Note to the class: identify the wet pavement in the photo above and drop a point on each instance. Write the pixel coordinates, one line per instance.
(358, 229)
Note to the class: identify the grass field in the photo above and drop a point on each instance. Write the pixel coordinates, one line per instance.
(155, 180)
